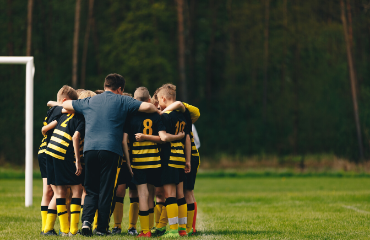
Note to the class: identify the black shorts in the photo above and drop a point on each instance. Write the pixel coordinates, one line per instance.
(42, 164)
(65, 172)
(50, 170)
(149, 175)
(172, 175)
(82, 176)
(190, 177)
(124, 176)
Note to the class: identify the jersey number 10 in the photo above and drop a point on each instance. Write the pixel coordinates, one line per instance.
(180, 127)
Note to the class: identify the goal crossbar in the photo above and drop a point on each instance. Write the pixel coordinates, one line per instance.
(29, 121)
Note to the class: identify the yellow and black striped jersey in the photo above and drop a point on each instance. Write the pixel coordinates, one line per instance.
(189, 120)
(61, 145)
(172, 153)
(144, 154)
(54, 113)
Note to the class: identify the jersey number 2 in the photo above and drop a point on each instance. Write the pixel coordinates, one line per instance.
(148, 127)
(64, 124)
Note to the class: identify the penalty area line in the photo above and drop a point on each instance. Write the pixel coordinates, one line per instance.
(356, 209)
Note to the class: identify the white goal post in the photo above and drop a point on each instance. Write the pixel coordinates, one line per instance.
(30, 71)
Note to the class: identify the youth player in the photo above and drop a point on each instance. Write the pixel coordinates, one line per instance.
(65, 93)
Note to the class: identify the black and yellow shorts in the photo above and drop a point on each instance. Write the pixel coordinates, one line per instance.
(65, 172)
(190, 177)
(124, 176)
(50, 170)
(42, 164)
(171, 175)
(149, 175)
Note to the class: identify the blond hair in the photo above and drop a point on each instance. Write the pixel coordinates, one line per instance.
(167, 90)
(142, 94)
(86, 93)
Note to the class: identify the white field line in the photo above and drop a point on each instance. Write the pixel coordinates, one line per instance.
(356, 209)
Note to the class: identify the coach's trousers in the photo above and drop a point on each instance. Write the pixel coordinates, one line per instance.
(101, 174)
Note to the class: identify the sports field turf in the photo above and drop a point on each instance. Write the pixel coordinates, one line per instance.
(236, 208)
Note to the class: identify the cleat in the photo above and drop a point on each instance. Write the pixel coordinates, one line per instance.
(153, 229)
(142, 234)
(116, 230)
(86, 229)
(51, 233)
(42, 233)
(94, 231)
(171, 234)
(132, 231)
(77, 233)
(103, 234)
(63, 234)
(191, 232)
(182, 232)
(158, 231)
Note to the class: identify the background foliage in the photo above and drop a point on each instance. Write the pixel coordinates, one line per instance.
(308, 102)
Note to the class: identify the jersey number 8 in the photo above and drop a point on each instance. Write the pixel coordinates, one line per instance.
(148, 127)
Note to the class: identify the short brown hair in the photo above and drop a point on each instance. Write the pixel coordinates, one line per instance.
(168, 90)
(99, 91)
(67, 92)
(113, 81)
(86, 93)
(142, 94)
(126, 94)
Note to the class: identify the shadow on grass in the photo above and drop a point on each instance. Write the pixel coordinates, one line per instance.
(231, 232)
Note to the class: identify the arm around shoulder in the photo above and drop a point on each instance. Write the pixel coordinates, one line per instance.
(68, 105)
(147, 108)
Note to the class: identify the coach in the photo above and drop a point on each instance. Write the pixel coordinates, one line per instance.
(105, 115)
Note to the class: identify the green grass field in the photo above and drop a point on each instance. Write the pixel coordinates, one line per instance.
(237, 208)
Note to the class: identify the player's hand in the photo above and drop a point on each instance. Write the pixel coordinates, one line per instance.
(131, 172)
(78, 168)
(159, 112)
(187, 167)
(43, 131)
(140, 137)
(181, 134)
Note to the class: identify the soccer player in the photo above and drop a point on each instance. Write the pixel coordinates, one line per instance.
(175, 163)
(105, 115)
(191, 114)
(52, 114)
(146, 162)
(64, 94)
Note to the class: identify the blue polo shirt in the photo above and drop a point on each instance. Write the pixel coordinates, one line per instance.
(105, 115)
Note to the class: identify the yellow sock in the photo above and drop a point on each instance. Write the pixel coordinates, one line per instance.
(50, 220)
(183, 213)
(157, 212)
(95, 224)
(151, 218)
(118, 212)
(133, 213)
(172, 213)
(63, 215)
(75, 214)
(163, 220)
(82, 210)
(44, 215)
(144, 221)
(189, 225)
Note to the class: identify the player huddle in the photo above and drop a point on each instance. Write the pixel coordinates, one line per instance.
(101, 143)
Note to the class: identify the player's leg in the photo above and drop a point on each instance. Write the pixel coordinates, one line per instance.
(109, 164)
(61, 192)
(118, 209)
(133, 213)
(151, 190)
(159, 199)
(171, 207)
(183, 209)
(162, 218)
(51, 216)
(143, 192)
(189, 197)
(83, 199)
(75, 208)
(47, 195)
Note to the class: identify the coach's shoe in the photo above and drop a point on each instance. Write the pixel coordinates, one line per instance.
(132, 231)
(142, 234)
(182, 232)
(158, 231)
(171, 234)
(86, 229)
(116, 230)
(51, 233)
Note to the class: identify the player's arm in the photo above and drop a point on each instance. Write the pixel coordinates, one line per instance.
(49, 127)
(140, 137)
(126, 152)
(146, 107)
(52, 104)
(76, 148)
(167, 137)
(67, 105)
(187, 153)
(175, 106)
(194, 112)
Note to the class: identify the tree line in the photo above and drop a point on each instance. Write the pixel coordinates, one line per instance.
(270, 77)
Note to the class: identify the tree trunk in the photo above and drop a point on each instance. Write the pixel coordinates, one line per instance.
(96, 45)
(181, 41)
(86, 43)
(191, 46)
(29, 27)
(265, 63)
(209, 67)
(75, 44)
(352, 79)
